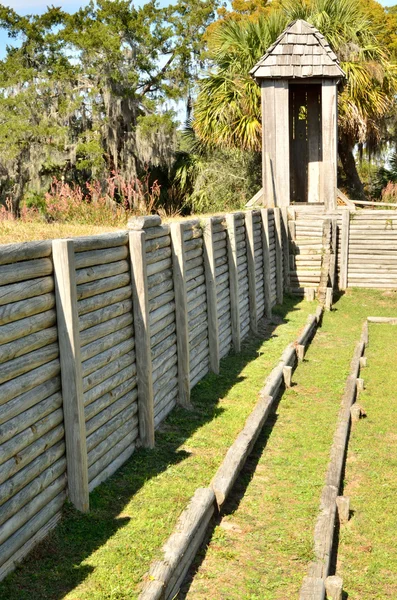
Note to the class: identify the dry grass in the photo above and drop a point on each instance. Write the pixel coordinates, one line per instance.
(20, 231)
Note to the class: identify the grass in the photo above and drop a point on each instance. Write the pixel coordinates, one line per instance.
(104, 555)
(262, 546)
(25, 231)
(367, 551)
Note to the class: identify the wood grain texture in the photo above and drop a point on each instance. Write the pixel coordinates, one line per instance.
(253, 310)
(71, 372)
(234, 281)
(211, 288)
(142, 333)
(181, 312)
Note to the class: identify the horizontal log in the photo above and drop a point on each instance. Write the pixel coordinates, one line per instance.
(160, 314)
(16, 541)
(34, 469)
(25, 345)
(30, 269)
(193, 254)
(106, 342)
(31, 508)
(193, 244)
(16, 425)
(223, 260)
(160, 289)
(199, 332)
(193, 264)
(195, 293)
(192, 233)
(33, 489)
(194, 273)
(161, 383)
(112, 467)
(198, 350)
(14, 253)
(198, 362)
(99, 301)
(197, 301)
(169, 404)
(157, 243)
(157, 330)
(238, 453)
(164, 333)
(97, 242)
(100, 286)
(100, 465)
(29, 453)
(223, 306)
(25, 401)
(26, 308)
(157, 257)
(100, 257)
(166, 356)
(24, 364)
(198, 310)
(103, 329)
(15, 292)
(162, 300)
(117, 372)
(110, 404)
(157, 278)
(26, 382)
(116, 363)
(158, 231)
(42, 426)
(163, 368)
(221, 270)
(195, 283)
(166, 388)
(163, 346)
(102, 433)
(129, 429)
(90, 274)
(97, 362)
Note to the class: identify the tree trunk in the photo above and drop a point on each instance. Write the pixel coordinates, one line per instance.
(345, 150)
(21, 179)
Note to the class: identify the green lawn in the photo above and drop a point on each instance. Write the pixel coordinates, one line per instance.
(262, 546)
(367, 551)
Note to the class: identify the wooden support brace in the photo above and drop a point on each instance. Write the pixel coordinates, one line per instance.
(210, 282)
(266, 262)
(343, 505)
(300, 352)
(363, 361)
(279, 256)
(334, 587)
(233, 278)
(181, 313)
(360, 384)
(328, 298)
(285, 247)
(140, 295)
(71, 372)
(287, 373)
(249, 225)
(344, 254)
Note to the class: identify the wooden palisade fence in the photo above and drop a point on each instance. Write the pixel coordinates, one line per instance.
(77, 393)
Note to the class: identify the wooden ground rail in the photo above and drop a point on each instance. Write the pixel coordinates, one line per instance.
(166, 575)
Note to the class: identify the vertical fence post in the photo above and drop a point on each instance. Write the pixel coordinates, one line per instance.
(266, 262)
(285, 247)
(233, 275)
(279, 256)
(210, 282)
(140, 296)
(249, 227)
(182, 325)
(71, 372)
(344, 254)
(334, 253)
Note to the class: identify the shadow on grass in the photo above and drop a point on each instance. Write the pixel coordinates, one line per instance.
(54, 567)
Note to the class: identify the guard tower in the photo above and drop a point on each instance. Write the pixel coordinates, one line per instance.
(299, 76)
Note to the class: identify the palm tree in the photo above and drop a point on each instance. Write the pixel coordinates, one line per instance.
(227, 111)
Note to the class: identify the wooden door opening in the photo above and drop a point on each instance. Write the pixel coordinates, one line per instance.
(305, 142)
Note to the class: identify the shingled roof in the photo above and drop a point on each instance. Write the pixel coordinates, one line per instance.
(300, 51)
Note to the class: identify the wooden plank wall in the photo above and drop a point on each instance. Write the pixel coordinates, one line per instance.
(123, 394)
(107, 353)
(32, 446)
